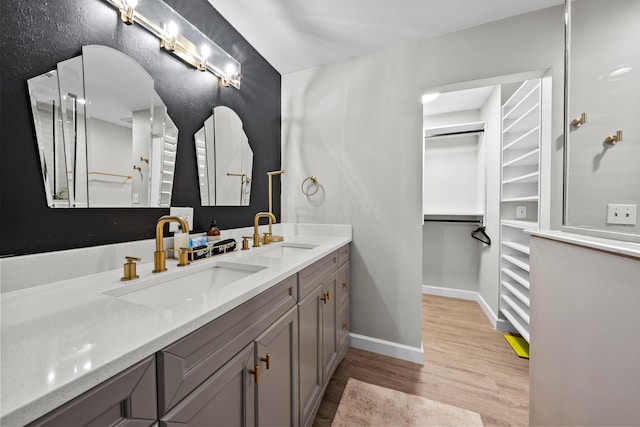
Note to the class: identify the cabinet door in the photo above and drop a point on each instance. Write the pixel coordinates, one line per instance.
(188, 362)
(343, 285)
(227, 398)
(277, 357)
(329, 325)
(343, 330)
(310, 352)
(128, 399)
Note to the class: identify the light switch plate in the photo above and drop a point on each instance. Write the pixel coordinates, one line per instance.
(185, 213)
(521, 212)
(622, 214)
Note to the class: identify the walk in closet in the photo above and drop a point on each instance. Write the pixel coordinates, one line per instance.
(486, 155)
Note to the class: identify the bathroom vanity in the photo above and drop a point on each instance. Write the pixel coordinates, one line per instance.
(584, 330)
(256, 346)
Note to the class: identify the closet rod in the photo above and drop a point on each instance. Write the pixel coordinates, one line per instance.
(469, 221)
(464, 132)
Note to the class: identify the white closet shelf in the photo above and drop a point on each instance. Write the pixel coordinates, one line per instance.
(531, 98)
(518, 262)
(526, 121)
(518, 95)
(521, 199)
(527, 159)
(528, 139)
(517, 277)
(457, 128)
(523, 225)
(521, 326)
(517, 292)
(517, 246)
(517, 307)
(530, 177)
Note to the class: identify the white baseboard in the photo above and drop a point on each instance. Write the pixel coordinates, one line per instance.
(387, 348)
(461, 294)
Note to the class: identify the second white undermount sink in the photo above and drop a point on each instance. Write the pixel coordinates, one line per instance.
(195, 286)
(287, 250)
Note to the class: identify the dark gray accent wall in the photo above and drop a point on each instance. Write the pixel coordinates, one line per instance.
(38, 35)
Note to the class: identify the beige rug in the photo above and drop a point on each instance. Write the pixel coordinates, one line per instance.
(365, 404)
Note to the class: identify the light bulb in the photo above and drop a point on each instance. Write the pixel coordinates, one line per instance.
(205, 51)
(172, 29)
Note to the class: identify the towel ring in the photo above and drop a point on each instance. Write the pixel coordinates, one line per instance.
(314, 180)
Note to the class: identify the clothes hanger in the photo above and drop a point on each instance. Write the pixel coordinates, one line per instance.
(480, 233)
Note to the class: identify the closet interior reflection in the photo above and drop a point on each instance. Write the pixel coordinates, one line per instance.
(104, 135)
(225, 160)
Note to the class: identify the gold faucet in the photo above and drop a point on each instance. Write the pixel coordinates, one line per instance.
(256, 220)
(160, 256)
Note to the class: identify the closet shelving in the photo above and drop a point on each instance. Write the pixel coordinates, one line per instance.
(521, 160)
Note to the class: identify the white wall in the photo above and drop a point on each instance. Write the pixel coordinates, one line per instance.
(357, 126)
(489, 277)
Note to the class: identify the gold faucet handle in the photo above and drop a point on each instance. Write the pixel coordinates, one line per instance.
(130, 268)
(266, 238)
(245, 242)
(183, 257)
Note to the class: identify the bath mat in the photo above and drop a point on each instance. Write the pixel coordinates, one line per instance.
(364, 404)
(519, 345)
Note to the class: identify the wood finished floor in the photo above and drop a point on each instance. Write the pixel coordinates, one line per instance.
(467, 364)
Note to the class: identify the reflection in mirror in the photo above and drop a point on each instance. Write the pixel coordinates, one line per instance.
(104, 136)
(601, 171)
(225, 160)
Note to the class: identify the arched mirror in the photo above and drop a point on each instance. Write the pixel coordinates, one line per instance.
(104, 135)
(225, 160)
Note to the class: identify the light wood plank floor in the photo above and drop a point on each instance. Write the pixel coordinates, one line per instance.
(467, 364)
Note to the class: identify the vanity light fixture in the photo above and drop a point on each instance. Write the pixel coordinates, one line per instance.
(127, 10)
(179, 37)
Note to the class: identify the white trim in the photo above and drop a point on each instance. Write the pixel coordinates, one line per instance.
(387, 348)
(449, 292)
(461, 294)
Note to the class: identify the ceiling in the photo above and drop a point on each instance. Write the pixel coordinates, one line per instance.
(293, 35)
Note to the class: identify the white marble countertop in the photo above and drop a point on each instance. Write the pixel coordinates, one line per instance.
(59, 340)
(617, 247)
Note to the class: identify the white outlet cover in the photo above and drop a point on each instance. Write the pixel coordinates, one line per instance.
(622, 214)
(186, 213)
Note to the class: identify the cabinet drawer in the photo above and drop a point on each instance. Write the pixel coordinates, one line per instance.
(312, 275)
(129, 398)
(188, 362)
(343, 254)
(342, 293)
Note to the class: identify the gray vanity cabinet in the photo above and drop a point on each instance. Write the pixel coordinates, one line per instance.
(187, 363)
(342, 301)
(234, 397)
(310, 327)
(276, 355)
(227, 398)
(127, 399)
(318, 324)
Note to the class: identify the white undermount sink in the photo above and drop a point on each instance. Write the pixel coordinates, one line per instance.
(287, 250)
(172, 292)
